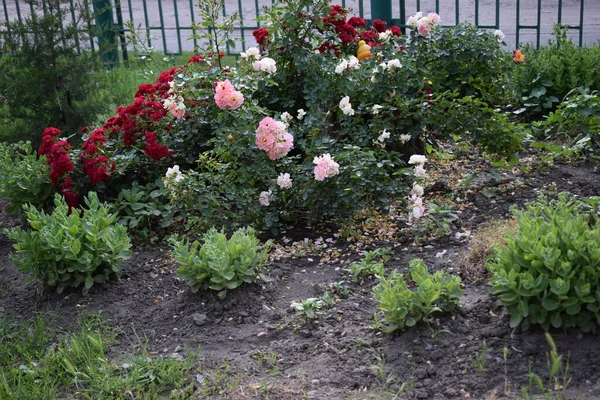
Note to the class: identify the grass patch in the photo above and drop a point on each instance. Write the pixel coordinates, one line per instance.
(490, 235)
(39, 364)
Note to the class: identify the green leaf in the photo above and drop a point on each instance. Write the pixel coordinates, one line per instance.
(515, 320)
(538, 91)
(556, 320)
(89, 282)
(549, 304)
(75, 246)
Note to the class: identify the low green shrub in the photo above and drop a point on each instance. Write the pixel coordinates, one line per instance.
(23, 177)
(575, 123)
(548, 273)
(71, 249)
(551, 72)
(403, 307)
(220, 264)
(371, 263)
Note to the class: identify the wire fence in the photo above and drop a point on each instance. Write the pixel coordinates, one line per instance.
(167, 25)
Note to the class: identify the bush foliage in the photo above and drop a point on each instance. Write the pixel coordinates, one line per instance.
(68, 248)
(219, 263)
(403, 307)
(548, 272)
(23, 177)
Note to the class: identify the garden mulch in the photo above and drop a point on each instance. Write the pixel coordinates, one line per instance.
(338, 356)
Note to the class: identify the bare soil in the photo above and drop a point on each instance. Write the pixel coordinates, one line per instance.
(338, 356)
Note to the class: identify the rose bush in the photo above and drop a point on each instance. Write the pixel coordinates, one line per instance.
(300, 129)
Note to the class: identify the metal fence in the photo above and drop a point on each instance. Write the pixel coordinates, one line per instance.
(166, 25)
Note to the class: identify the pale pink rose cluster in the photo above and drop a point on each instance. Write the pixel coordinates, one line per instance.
(263, 198)
(284, 181)
(325, 167)
(226, 97)
(175, 106)
(266, 64)
(272, 137)
(415, 199)
(423, 23)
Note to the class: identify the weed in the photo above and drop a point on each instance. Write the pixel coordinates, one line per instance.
(219, 381)
(267, 361)
(370, 263)
(390, 385)
(309, 308)
(558, 377)
(38, 364)
(479, 359)
(491, 235)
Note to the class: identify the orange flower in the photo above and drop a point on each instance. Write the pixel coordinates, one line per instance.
(364, 50)
(518, 57)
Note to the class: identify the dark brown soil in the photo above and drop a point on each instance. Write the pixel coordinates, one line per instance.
(339, 356)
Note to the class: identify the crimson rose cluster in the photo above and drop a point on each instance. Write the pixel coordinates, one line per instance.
(346, 31)
(133, 126)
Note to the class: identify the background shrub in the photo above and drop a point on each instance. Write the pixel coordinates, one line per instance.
(575, 123)
(23, 177)
(42, 75)
(68, 249)
(551, 72)
(548, 273)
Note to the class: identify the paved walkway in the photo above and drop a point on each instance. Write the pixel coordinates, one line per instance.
(168, 37)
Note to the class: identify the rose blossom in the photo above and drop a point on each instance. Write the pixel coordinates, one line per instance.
(284, 181)
(263, 198)
(266, 64)
(345, 106)
(325, 167)
(226, 97)
(417, 159)
(417, 190)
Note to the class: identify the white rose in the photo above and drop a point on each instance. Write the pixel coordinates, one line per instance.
(384, 135)
(376, 108)
(417, 159)
(284, 181)
(417, 190)
(395, 63)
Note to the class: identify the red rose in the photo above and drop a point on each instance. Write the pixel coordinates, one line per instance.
(261, 35)
(357, 22)
(379, 25)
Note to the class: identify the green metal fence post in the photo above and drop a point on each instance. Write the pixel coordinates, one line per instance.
(106, 36)
(381, 9)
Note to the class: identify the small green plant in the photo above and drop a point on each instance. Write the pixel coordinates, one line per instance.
(558, 377)
(369, 264)
(309, 308)
(71, 249)
(220, 264)
(23, 177)
(479, 359)
(435, 223)
(547, 273)
(403, 307)
(338, 289)
(267, 361)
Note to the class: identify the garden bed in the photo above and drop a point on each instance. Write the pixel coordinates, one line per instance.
(272, 351)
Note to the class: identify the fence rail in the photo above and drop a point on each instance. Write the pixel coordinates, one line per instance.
(166, 25)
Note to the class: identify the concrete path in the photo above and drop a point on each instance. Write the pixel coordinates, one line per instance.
(165, 35)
